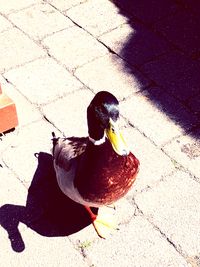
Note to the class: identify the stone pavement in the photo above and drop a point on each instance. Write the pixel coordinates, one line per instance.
(54, 56)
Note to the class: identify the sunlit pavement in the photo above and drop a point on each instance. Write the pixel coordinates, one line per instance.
(54, 56)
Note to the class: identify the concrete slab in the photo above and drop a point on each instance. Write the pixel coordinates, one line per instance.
(145, 111)
(12, 191)
(57, 251)
(186, 33)
(173, 206)
(53, 82)
(182, 82)
(52, 72)
(5, 24)
(74, 47)
(12, 6)
(136, 244)
(91, 16)
(84, 238)
(64, 5)
(123, 213)
(12, 199)
(194, 104)
(31, 139)
(147, 12)
(128, 41)
(186, 151)
(154, 164)
(17, 49)
(31, 19)
(107, 73)
(5, 141)
(190, 5)
(70, 114)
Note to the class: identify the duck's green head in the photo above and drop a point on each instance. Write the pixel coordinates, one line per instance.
(103, 119)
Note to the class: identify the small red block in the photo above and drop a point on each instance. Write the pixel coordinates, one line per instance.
(8, 113)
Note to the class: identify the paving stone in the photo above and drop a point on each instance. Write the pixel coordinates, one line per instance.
(12, 198)
(107, 73)
(152, 109)
(53, 80)
(64, 5)
(84, 238)
(190, 5)
(70, 113)
(17, 49)
(56, 251)
(128, 41)
(194, 260)
(123, 213)
(6, 140)
(91, 16)
(137, 244)
(74, 47)
(29, 140)
(31, 114)
(12, 6)
(182, 82)
(174, 206)
(31, 19)
(194, 104)
(186, 151)
(185, 34)
(8, 242)
(4, 24)
(147, 12)
(150, 172)
(12, 190)
(167, 197)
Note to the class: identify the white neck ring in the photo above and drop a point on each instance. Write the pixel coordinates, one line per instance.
(98, 142)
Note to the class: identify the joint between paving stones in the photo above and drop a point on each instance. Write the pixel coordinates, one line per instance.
(81, 250)
(178, 249)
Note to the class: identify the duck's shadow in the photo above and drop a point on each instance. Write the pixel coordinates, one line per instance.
(48, 211)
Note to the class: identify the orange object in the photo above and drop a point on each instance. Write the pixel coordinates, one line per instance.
(8, 113)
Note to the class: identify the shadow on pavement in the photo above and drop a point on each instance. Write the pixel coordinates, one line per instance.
(48, 211)
(164, 45)
(170, 57)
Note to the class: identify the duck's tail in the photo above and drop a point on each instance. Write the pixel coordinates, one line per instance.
(54, 140)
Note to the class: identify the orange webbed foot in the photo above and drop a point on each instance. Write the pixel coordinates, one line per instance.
(103, 222)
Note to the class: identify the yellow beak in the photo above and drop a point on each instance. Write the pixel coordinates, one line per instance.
(116, 139)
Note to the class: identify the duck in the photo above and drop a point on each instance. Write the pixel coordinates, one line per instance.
(97, 170)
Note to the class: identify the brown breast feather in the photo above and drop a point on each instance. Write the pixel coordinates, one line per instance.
(103, 176)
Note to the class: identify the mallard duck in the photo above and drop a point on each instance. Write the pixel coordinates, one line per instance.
(97, 170)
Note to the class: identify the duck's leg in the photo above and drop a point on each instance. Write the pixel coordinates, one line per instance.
(103, 222)
(92, 215)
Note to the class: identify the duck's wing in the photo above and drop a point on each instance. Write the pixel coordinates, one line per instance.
(66, 157)
(66, 149)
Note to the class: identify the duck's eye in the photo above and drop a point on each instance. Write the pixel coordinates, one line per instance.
(112, 129)
(115, 115)
(100, 111)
